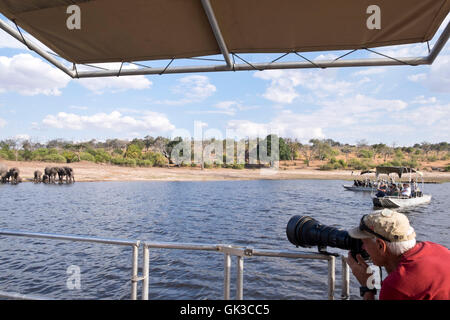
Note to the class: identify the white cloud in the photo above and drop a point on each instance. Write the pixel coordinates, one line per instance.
(286, 124)
(401, 51)
(349, 117)
(30, 76)
(321, 83)
(114, 84)
(370, 71)
(423, 100)
(225, 107)
(439, 75)
(437, 79)
(434, 116)
(22, 137)
(418, 77)
(7, 41)
(193, 88)
(2, 123)
(327, 56)
(115, 121)
(78, 107)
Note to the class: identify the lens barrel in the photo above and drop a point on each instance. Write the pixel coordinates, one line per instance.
(305, 231)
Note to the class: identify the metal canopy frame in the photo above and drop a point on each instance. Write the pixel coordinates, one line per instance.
(229, 58)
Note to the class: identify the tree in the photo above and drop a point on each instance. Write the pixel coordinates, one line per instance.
(148, 142)
(167, 150)
(133, 151)
(294, 147)
(320, 148)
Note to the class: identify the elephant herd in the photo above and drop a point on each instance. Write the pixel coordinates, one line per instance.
(50, 175)
(11, 175)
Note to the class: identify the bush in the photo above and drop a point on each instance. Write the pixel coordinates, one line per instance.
(25, 155)
(207, 165)
(130, 162)
(39, 154)
(85, 156)
(70, 156)
(357, 165)
(159, 160)
(447, 168)
(238, 166)
(102, 156)
(411, 163)
(367, 154)
(327, 167)
(133, 152)
(342, 163)
(7, 155)
(144, 163)
(54, 158)
(118, 161)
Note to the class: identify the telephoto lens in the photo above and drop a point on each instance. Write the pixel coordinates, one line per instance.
(307, 232)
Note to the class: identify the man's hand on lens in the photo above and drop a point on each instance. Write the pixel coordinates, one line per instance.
(359, 268)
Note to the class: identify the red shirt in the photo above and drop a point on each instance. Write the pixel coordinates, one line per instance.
(422, 274)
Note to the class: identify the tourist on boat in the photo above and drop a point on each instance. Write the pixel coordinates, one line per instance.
(382, 191)
(406, 191)
(393, 190)
(416, 270)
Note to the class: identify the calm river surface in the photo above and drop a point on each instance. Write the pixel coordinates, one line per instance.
(245, 213)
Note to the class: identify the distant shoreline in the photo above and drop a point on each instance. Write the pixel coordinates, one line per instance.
(92, 172)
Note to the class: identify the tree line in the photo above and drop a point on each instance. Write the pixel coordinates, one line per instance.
(158, 151)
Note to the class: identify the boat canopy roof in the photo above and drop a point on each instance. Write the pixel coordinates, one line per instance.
(398, 170)
(367, 172)
(138, 30)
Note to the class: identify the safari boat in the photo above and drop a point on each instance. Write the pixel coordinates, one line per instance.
(408, 195)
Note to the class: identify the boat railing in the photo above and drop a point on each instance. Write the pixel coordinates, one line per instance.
(227, 250)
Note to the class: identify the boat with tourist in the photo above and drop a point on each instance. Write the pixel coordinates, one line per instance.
(393, 194)
(363, 183)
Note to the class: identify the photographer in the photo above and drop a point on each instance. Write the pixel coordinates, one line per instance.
(416, 271)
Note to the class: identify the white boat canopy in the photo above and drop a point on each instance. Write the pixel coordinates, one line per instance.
(398, 170)
(100, 31)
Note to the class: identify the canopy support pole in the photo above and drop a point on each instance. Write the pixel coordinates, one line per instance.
(20, 37)
(440, 43)
(231, 66)
(217, 33)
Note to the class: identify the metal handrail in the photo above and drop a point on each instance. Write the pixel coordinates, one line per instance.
(241, 253)
(133, 243)
(227, 250)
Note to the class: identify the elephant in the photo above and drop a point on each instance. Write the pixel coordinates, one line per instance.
(37, 176)
(61, 174)
(4, 173)
(45, 179)
(51, 172)
(70, 177)
(14, 174)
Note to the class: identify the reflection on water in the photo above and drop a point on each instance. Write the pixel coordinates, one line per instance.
(246, 213)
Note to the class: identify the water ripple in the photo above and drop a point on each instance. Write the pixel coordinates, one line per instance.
(244, 213)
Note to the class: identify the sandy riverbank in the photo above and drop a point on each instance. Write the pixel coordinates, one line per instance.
(87, 171)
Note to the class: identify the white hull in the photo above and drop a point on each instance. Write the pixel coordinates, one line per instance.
(397, 202)
(354, 188)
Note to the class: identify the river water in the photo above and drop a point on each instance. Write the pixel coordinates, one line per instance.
(244, 213)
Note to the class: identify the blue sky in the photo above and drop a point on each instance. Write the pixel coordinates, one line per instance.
(399, 105)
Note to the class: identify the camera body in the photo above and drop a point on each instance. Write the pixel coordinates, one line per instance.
(307, 232)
